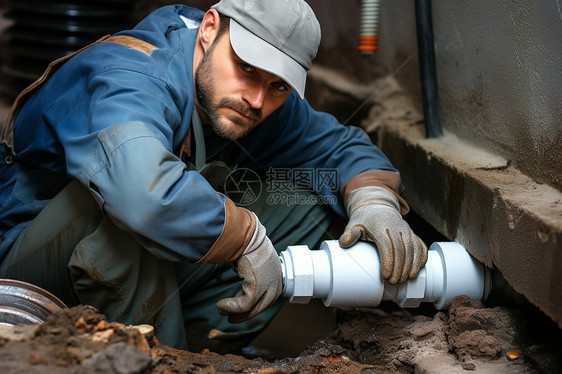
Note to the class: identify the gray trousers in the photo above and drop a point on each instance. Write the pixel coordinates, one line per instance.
(74, 251)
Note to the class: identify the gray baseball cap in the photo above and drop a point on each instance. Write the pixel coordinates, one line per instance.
(278, 36)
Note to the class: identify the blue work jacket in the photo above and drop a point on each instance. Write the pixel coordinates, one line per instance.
(113, 117)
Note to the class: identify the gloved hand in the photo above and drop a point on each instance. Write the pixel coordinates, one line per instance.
(260, 268)
(374, 215)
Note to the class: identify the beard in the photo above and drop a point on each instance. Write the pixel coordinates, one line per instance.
(206, 96)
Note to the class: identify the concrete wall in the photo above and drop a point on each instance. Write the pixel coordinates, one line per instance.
(499, 66)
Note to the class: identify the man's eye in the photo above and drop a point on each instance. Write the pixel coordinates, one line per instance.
(245, 67)
(280, 86)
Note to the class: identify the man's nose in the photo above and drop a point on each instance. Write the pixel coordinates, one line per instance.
(255, 96)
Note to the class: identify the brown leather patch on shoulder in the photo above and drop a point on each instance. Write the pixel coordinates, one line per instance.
(132, 42)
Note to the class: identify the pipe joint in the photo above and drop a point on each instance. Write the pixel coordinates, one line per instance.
(351, 277)
(298, 274)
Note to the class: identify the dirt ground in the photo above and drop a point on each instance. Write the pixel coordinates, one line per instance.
(470, 337)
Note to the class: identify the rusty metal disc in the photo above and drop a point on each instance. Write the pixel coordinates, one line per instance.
(22, 302)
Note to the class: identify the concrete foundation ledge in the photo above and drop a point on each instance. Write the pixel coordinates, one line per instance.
(502, 217)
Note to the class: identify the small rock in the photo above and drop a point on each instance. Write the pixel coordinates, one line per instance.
(37, 359)
(17, 333)
(368, 371)
(103, 336)
(421, 329)
(270, 370)
(146, 330)
(118, 358)
(468, 366)
(512, 355)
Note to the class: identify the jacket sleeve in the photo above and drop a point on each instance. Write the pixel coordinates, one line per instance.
(299, 138)
(126, 160)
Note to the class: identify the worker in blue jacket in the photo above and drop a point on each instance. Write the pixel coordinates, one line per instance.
(115, 170)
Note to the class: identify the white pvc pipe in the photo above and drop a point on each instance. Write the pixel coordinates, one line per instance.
(351, 277)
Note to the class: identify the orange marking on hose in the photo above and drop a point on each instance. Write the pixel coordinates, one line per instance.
(368, 43)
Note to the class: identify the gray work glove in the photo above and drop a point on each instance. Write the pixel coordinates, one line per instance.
(374, 215)
(260, 268)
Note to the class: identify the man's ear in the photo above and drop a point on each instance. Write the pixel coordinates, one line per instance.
(209, 28)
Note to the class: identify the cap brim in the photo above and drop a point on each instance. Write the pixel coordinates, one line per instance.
(259, 53)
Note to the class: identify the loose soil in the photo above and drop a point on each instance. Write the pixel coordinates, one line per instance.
(470, 337)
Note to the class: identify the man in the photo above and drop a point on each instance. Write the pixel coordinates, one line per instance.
(105, 200)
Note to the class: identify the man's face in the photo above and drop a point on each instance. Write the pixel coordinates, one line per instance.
(235, 96)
